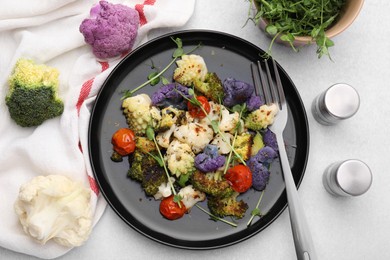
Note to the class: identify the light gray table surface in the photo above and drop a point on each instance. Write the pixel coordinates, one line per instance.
(342, 228)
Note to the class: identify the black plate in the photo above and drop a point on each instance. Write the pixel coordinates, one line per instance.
(228, 56)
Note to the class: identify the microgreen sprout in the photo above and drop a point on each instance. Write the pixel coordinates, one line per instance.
(155, 76)
(256, 211)
(151, 136)
(213, 217)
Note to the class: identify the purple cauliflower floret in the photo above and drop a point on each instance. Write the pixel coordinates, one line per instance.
(111, 29)
(259, 164)
(269, 139)
(168, 95)
(209, 160)
(260, 176)
(236, 92)
(253, 103)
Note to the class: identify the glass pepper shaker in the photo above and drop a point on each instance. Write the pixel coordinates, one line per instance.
(338, 102)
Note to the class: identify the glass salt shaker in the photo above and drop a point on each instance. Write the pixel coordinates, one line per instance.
(347, 178)
(338, 102)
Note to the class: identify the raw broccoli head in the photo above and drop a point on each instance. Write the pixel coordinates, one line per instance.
(227, 206)
(32, 96)
(214, 187)
(211, 87)
(111, 29)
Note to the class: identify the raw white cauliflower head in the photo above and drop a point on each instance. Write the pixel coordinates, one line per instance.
(137, 112)
(190, 69)
(55, 207)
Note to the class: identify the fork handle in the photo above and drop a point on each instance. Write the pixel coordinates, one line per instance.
(303, 241)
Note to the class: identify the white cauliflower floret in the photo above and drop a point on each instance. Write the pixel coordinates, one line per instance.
(196, 135)
(164, 190)
(190, 68)
(137, 112)
(55, 207)
(190, 196)
(228, 121)
(163, 138)
(261, 118)
(214, 114)
(180, 158)
(155, 115)
(219, 141)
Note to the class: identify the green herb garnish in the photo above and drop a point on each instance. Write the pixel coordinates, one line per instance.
(290, 18)
(155, 76)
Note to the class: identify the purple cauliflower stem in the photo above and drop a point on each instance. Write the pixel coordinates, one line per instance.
(111, 29)
(209, 160)
(254, 102)
(259, 164)
(236, 92)
(171, 95)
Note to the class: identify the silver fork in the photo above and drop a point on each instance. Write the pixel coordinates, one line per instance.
(304, 246)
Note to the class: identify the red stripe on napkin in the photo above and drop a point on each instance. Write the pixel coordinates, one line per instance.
(84, 92)
(140, 10)
(93, 185)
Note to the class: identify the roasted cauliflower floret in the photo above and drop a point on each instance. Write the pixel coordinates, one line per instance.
(195, 135)
(180, 158)
(137, 112)
(190, 68)
(261, 118)
(228, 120)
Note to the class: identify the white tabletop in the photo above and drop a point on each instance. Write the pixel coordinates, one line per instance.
(342, 228)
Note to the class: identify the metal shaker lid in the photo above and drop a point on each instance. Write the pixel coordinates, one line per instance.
(354, 177)
(341, 101)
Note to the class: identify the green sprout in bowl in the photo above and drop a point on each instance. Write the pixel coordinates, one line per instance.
(305, 20)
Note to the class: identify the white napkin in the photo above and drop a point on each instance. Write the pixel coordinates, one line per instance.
(48, 33)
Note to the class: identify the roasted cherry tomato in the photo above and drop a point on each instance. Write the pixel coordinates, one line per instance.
(171, 209)
(196, 111)
(239, 177)
(123, 141)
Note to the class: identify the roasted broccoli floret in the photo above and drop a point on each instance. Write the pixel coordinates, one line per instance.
(228, 206)
(144, 167)
(32, 97)
(211, 87)
(171, 116)
(261, 118)
(243, 145)
(211, 184)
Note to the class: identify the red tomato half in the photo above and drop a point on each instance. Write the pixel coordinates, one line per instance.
(239, 177)
(196, 111)
(171, 209)
(123, 141)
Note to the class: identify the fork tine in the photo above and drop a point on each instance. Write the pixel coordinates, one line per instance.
(273, 90)
(282, 98)
(256, 79)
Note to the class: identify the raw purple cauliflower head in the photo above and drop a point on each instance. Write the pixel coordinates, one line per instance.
(209, 160)
(111, 29)
(254, 102)
(236, 92)
(168, 95)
